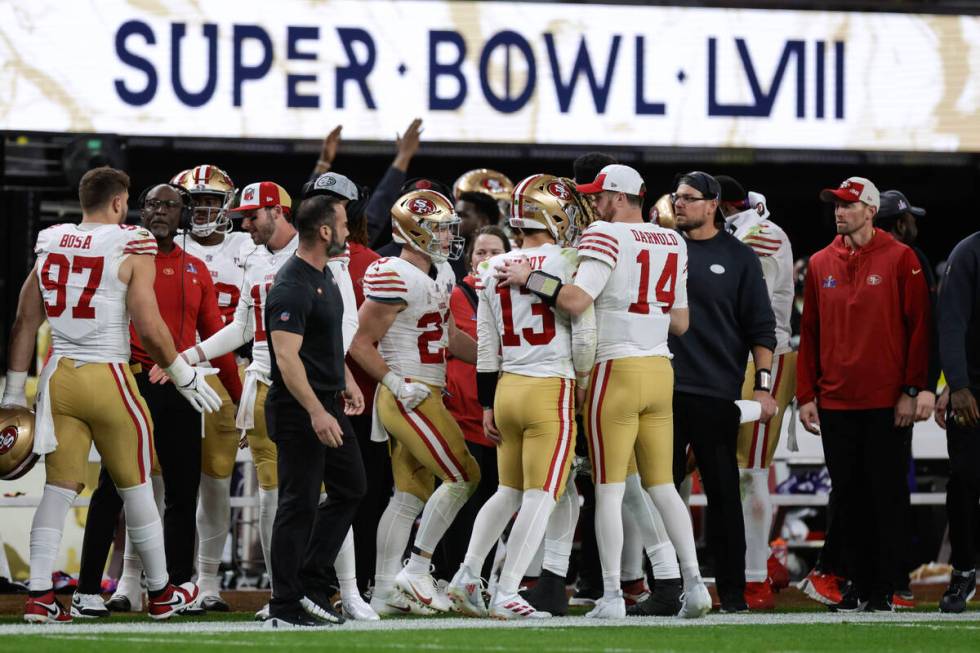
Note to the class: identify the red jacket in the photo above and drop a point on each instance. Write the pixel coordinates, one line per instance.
(360, 258)
(864, 333)
(196, 313)
(461, 400)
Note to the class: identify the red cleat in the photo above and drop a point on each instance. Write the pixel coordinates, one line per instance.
(903, 600)
(635, 591)
(175, 598)
(759, 596)
(822, 588)
(45, 609)
(778, 573)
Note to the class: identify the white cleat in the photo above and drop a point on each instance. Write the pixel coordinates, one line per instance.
(695, 603)
(608, 608)
(88, 606)
(514, 607)
(466, 593)
(356, 608)
(263, 614)
(396, 604)
(421, 588)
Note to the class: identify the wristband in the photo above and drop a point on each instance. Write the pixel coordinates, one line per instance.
(763, 380)
(486, 388)
(16, 382)
(180, 372)
(391, 381)
(544, 285)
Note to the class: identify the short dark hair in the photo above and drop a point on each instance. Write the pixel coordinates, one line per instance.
(484, 204)
(586, 168)
(313, 213)
(489, 230)
(634, 200)
(99, 185)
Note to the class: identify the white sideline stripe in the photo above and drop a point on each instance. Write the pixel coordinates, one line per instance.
(966, 620)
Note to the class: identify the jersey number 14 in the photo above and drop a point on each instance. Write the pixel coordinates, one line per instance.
(664, 288)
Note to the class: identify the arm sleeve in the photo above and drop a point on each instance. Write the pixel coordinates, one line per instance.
(584, 344)
(378, 209)
(592, 276)
(231, 336)
(756, 318)
(286, 308)
(487, 337)
(382, 283)
(680, 285)
(808, 361)
(957, 294)
(209, 322)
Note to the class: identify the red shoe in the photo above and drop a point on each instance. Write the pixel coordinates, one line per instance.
(822, 588)
(778, 573)
(175, 598)
(903, 600)
(45, 609)
(759, 596)
(635, 591)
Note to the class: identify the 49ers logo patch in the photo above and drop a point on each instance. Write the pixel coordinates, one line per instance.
(249, 194)
(558, 189)
(493, 185)
(8, 438)
(422, 206)
(874, 279)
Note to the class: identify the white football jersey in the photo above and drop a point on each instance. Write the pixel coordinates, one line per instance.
(415, 345)
(226, 268)
(85, 302)
(340, 267)
(649, 277)
(518, 332)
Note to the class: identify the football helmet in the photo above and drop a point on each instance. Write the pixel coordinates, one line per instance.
(426, 221)
(17, 455)
(490, 182)
(662, 213)
(208, 181)
(546, 202)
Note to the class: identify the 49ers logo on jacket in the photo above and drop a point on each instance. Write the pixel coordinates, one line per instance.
(422, 206)
(8, 438)
(558, 189)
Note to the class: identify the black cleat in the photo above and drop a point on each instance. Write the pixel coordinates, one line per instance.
(882, 603)
(548, 594)
(119, 603)
(962, 587)
(317, 605)
(850, 601)
(664, 600)
(8, 586)
(215, 604)
(291, 620)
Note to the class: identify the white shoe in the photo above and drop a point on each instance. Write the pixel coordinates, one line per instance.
(695, 602)
(397, 603)
(356, 608)
(466, 593)
(88, 606)
(263, 614)
(609, 608)
(513, 606)
(128, 597)
(421, 588)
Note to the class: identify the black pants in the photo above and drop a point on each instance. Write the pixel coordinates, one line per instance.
(100, 529)
(710, 426)
(868, 463)
(377, 467)
(963, 492)
(177, 436)
(307, 535)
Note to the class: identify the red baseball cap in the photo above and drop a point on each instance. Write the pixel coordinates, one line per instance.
(264, 194)
(618, 178)
(853, 189)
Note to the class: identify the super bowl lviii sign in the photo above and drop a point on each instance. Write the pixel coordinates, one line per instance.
(494, 72)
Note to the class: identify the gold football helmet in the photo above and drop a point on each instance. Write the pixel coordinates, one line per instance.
(662, 213)
(547, 202)
(426, 221)
(17, 455)
(490, 182)
(208, 181)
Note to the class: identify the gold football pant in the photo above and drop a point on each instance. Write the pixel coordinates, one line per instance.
(427, 443)
(757, 441)
(263, 449)
(536, 420)
(629, 409)
(221, 438)
(99, 402)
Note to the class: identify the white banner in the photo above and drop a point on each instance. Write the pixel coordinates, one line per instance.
(541, 73)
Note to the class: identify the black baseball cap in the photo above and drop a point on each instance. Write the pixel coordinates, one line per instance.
(894, 203)
(704, 182)
(731, 190)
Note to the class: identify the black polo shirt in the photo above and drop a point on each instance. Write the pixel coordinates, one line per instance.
(307, 301)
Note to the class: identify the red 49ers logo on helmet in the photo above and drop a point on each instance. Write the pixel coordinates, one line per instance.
(559, 190)
(493, 185)
(8, 437)
(422, 206)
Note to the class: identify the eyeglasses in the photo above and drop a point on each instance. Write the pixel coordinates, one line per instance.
(153, 205)
(687, 199)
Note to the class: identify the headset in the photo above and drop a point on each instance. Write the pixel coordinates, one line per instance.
(186, 209)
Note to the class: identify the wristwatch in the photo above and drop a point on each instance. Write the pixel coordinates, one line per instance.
(763, 380)
(911, 391)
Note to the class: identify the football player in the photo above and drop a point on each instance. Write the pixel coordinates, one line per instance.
(406, 311)
(89, 281)
(489, 182)
(635, 274)
(526, 349)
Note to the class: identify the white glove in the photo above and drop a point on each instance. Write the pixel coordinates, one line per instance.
(191, 383)
(409, 394)
(13, 390)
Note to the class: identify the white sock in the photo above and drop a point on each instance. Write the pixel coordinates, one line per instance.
(685, 489)
(757, 512)
(439, 512)
(560, 534)
(46, 530)
(525, 538)
(213, 523)
(129, 580)
(631, 560)
(159, 493)
(268, 504)
(652, 534)
(490, 522)
(4, 563)
(394, 529)
(609, 533)
(145, 530)
(345, 566)
(677, 522)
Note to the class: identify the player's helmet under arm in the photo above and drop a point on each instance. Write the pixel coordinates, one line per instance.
(203, 181)
(551, 203)
(426, 221)
(17, 455)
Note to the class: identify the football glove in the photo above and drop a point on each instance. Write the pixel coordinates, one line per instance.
(193, 386)
(408, 393)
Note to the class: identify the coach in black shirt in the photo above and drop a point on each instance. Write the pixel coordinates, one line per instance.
(305, 416)
(730, 316)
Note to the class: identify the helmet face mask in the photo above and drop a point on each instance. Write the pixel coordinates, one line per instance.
(208, 181)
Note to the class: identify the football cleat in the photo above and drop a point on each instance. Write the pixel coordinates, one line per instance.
(128, 597)
(608, 608)
(421, 588)
(8, 586)
(903, 600)
(548, 594)
(962, 587)
(354, 607)
(45, 609)
(759, 596)
(778, 573)
(88, 606)
(635, 591)
(173, 600)
(695, 602)
(63, 583)
(822, 588)
(466, 593)
(513, 606)
(664, 600)
(294, 620)
(397, 603)
(585, 595)
(263, 613)
(214, 603)
(850, 602)
(318, 606)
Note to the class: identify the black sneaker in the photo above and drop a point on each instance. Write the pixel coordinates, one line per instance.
(292, 619)
(317, 605)
(962, 587)
(881, 603)
(733, 605)
(215, 604)
(8, 586)
(585, 595)
(850, 601)
(664, 600)
(548, 594)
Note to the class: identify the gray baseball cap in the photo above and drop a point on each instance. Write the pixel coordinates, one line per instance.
(331, 183)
